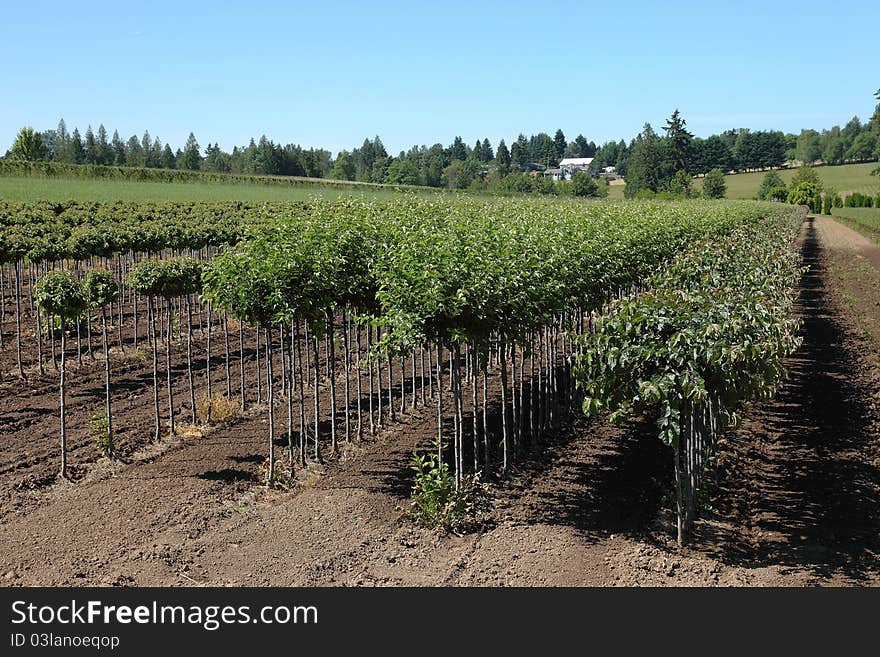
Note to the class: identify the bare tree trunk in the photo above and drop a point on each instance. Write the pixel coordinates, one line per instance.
(40, 343)
(317, 404)
(346, 368)
(289, 374)
(157, 431)
(505, 432)
(189, 359)
(302, 400)
(63, 473)
(208, 367)
(168, 374)
(105, 345)
(439, 405)
(270, 476)
(357, 368)
(18, 319)
(226, 344)
(331, 362)
(241, 366)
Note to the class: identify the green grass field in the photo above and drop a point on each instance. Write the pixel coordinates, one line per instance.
(62, 189)
(843, 178)
(869, 217)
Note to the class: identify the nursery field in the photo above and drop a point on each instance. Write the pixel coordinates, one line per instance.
(602, 393)
(26, 188)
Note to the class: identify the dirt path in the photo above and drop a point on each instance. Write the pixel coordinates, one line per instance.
(796, 500)
(834, 236)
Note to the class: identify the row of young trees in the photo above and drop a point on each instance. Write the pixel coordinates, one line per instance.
(708, 334)
(373, 308)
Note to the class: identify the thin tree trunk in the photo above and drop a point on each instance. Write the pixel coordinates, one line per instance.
(270, 476)
(331, 362)
(317, 404)
(157, 433)
(242, 392)
(18, 320)
(168, 373)
(226, 344)
(208, 367)
(106, 349)
(189, 359)
(505, 431)
(439, 405)
(63, 473)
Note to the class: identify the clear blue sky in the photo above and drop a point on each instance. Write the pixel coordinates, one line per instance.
(331, 73)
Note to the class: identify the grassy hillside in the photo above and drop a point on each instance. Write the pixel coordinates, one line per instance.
(868, 217)
(843, 178)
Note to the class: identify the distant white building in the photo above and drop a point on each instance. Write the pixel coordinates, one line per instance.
(569, 165)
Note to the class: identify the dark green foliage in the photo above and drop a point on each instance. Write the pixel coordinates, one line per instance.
(28, 146)
(644, 164)
(772, 188)
(714, 185)
(858, 200)
(166, 278)
(582, 184)
(59, 293)
(192, 157)
(806, 193)
(100, 288)
(679, 142)
(678, 343)
(681, 184)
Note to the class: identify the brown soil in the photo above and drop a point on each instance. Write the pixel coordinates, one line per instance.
(795, 498)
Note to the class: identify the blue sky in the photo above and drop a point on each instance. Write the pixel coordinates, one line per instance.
(331, 73)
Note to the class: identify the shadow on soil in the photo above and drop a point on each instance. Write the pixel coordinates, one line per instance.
(799, 476)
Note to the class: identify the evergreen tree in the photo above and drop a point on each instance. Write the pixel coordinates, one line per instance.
(458, 151)
(678, 141)
(518, 157)
(104, 151)
(772, 188)
(502, 158)
(90, 149)
(168, 159)
(28, 145)
(192, 157)
(644, 164)
(118, 150)
(77, 151)
(581, 148)
(560, 143)
(134, 155)
(61, 143)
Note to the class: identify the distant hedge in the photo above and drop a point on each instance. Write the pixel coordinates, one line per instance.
(139, 174)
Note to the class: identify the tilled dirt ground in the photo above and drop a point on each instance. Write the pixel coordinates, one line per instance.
(794, 501)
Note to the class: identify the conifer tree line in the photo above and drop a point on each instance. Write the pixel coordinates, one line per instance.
(650, 161)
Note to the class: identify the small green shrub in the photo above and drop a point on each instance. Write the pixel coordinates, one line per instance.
(435, 501)
(104, 442)
(280, 478)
